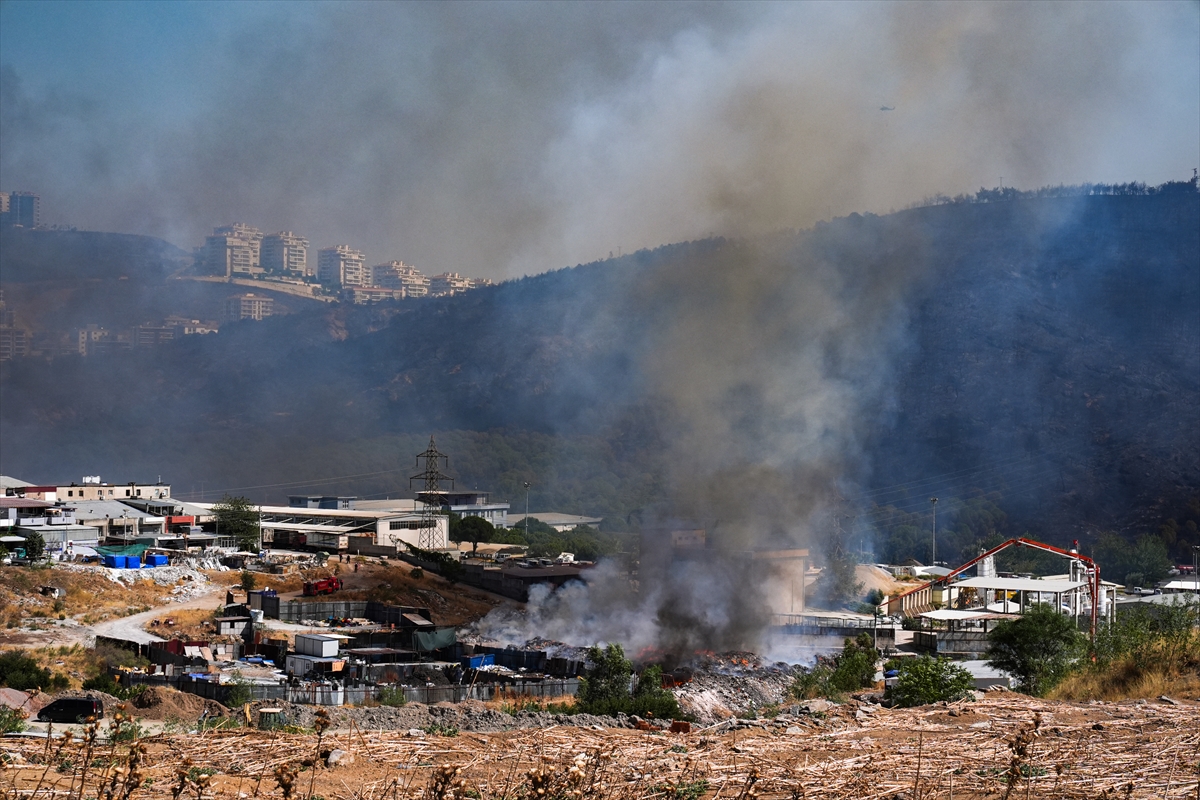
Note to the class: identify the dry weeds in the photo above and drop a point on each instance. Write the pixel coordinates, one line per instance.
(1006, 745)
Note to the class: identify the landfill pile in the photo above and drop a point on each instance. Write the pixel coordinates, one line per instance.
(186, 580)
(728, 685)
(471, 715)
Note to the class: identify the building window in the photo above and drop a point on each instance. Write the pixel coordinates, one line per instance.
(70, 493)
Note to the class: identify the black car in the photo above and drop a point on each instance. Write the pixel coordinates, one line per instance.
(71, 709)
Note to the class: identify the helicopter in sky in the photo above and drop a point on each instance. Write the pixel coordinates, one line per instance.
(887, 108)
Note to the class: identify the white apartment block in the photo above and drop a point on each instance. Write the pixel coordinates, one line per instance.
(232, 250)
(248, 306)
(342, 266)
(449, 283)
(398, 275)
(285, 253)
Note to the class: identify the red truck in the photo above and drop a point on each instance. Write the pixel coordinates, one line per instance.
(322, 586)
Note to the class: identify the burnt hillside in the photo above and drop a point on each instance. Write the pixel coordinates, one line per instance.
(1045, 352)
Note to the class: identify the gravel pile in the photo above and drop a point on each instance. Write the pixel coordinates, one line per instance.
(418, 717)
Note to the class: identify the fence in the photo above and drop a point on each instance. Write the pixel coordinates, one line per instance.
(331, 695)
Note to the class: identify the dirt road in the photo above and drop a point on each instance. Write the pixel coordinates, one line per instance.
(132, 627)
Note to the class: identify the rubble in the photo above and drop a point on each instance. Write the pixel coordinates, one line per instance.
(186, 580)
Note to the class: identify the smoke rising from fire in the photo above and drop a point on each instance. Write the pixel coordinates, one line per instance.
(501, 139)
(765, 361)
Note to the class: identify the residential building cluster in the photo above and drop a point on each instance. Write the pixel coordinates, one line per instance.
(96, 340)
(239, 250)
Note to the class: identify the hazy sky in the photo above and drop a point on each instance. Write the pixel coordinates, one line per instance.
(504, 139)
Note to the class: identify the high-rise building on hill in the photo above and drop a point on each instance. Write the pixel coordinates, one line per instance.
(20, 208)
(232, 251)
(341, 266)
(285, 253)
(449, 283)
(398, 275)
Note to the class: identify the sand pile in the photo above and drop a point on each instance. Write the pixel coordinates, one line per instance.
(162, 702)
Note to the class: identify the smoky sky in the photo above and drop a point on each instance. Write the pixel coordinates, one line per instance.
(501, 139)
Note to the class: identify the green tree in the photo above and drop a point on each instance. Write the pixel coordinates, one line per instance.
(35, 545)
(236, 517)
(1038, 649)
(608, 677)
(855, 665)
(248, 581)
(839, 582)
(927, 680)
(472, 529)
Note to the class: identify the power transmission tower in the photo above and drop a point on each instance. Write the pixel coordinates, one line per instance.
(432, 477)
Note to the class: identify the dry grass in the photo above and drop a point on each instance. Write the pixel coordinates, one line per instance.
(1129, 680)
(1006, 745)
(75, 661)
(190, 623)
(511, 702)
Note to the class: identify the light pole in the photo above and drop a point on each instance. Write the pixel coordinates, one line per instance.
(933, 502)
(1196, 566)
(526, 484)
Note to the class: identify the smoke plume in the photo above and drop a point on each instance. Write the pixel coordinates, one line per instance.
(501, 139)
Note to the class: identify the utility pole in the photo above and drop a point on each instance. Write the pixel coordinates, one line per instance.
(933, 502)
(526, 485)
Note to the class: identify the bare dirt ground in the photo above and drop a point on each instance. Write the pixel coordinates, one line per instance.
(965, 750)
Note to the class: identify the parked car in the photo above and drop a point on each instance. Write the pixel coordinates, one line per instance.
(71, 709)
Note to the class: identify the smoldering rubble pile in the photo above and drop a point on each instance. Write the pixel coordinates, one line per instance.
(728, 685)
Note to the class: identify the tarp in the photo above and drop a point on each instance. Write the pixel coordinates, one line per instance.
(434, 640)
(130, 550)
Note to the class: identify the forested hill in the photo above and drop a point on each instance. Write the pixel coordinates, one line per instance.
(1041, 356)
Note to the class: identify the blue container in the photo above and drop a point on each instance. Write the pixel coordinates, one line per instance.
(158, 560)
(118, 562)
(475, 662)
(133, 562)
(110, 561)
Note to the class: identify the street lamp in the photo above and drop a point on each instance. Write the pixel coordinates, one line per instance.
(933, 501)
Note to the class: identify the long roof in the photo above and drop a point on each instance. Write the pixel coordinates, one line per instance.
(960, 614)
(1019, 584)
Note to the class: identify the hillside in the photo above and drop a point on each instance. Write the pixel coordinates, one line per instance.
(55, 281)
(1044, 353)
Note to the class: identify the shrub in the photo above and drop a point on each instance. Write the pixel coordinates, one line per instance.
(927, 680)
(248, 580)
(850, 670)
(12, 720)
(19, 671)
(604, 688)
(1038, 649)
(392, 696)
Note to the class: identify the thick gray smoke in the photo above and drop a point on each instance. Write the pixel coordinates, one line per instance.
(501, 139)
(767, 361)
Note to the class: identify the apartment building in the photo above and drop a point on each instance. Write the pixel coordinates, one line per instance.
(341, 265)
(232, 250)
(248, 306)
(285, 253)
(14, 341)
(449, 283)
(20, 208)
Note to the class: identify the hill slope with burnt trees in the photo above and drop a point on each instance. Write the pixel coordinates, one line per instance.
(1034, 362)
